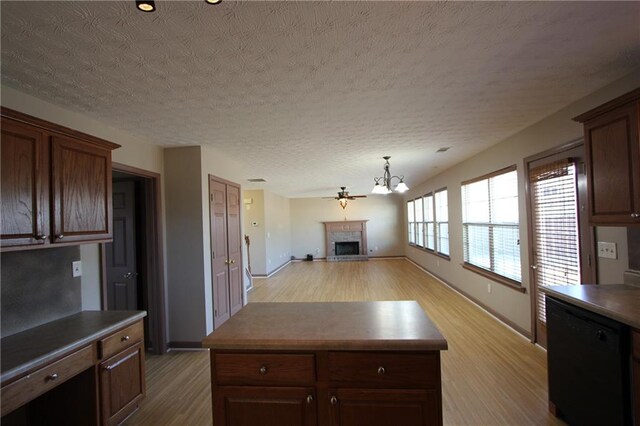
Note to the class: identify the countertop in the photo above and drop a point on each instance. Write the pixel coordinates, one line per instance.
(620, 302)
(401, 326)
(31, 349)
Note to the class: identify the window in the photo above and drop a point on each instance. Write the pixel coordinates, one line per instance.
(429, 222)
(442, 221)
(490, 225)
(412, 222)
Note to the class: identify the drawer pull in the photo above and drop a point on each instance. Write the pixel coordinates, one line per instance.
(124, 338)
(42, 237)
(263, 370)
(309, 399)
(635, 215)
(51, 377)
(333, 400)
(59, 236)
(381, 370)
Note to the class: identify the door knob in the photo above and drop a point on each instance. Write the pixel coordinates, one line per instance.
(534, 267)
(232, 262)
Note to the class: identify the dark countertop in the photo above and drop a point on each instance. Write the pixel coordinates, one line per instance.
(364, 326)
(620, 302)
(31, 349)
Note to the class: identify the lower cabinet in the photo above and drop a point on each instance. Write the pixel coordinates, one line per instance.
(122, 384)
(636, 377)
(326, 388)
(250, 406)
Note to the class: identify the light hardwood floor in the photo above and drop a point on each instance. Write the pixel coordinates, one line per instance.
(490, 375)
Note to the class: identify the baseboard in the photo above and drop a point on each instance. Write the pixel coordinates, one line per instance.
(272, 273)
(506, 321)
(185, 345)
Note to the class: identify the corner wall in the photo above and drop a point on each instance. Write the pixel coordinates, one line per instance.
(553, 131)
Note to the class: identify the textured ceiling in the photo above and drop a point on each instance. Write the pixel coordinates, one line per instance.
(311, 95)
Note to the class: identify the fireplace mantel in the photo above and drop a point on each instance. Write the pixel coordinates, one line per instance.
(346, 231)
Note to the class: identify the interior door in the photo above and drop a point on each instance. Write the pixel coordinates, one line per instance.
(122, 276)
(560, 235)
(219, 251)
(234, 243)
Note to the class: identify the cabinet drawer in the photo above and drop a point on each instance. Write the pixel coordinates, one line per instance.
(264, 369)
(35, 384)
(373, 369)
(636, 344)
(121, 340)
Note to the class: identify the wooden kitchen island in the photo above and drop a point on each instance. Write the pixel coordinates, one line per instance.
(334, 363)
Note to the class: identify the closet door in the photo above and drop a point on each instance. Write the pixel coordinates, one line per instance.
(219, 252)
(234, 248)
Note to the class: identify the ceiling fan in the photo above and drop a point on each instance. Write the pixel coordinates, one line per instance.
(343, 196)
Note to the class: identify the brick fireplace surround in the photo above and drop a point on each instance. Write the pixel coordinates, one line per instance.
(346, 231)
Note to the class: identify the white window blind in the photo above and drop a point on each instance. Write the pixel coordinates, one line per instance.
(411, 222)
(555, 221)
(442, 221)
(429, 223)
(490, 224)
(419, 223)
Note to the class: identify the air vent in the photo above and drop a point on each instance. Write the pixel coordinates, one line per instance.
(444, 149)
(256, 180)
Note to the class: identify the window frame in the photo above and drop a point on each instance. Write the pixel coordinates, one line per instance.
(488, 273)
(424, 199)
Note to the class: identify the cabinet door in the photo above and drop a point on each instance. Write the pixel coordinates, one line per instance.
(25, 185)
(81, 179)
(122, 384)
(373, 407)
(613, 161)
(250, 406)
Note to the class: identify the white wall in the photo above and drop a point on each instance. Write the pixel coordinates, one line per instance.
(254, 213)
(610, 271)
(555, 130)
(277, 230)
(385, 228)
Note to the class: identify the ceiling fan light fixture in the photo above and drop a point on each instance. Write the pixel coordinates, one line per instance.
(146, 5)
(343, 202)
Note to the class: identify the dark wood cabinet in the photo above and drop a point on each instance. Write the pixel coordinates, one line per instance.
(122, 384)
(24, 185)
(613, 160)
(271, 406)
(635, 381)
(56, 184)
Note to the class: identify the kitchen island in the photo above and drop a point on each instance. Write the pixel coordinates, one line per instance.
(333, 363)
(594, 353)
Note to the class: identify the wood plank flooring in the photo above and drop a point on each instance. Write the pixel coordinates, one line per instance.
(490, 374)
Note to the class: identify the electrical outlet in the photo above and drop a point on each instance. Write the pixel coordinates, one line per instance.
(76, 268)
(607, 250)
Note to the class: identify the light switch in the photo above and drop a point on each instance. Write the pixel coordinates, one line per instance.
(607, 250)
(76, 268)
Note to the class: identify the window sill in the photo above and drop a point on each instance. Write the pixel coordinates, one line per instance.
(433, 252)
(514, 285)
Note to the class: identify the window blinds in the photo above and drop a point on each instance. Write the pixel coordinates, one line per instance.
(554, 203)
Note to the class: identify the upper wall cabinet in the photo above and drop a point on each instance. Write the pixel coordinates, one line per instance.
(56, 184)
(613, 160)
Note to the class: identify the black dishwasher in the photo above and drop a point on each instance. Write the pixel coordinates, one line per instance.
(588, 366)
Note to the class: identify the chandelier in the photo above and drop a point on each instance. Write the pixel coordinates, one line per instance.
(383, 183)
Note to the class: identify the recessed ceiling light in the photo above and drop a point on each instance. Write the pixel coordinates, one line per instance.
(213, 1)
(146, 5)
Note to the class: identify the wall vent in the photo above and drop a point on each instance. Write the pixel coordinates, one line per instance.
(444, 149)
(256, 180)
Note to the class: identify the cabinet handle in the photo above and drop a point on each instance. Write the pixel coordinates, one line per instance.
(59, 236)
(381, 370)
(309, 399)
(333, 400)
(108, 367)
(635, 215)
(41, 237)
(124, 338)
(52, 376)
(263, 370)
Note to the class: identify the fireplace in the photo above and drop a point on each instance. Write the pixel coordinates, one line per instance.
(347, 248)
(346, 240)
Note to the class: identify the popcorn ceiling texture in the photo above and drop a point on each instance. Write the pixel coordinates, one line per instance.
(311, 95)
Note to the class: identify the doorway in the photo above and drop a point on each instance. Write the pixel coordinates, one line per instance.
(133, 271)
(560, 249)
